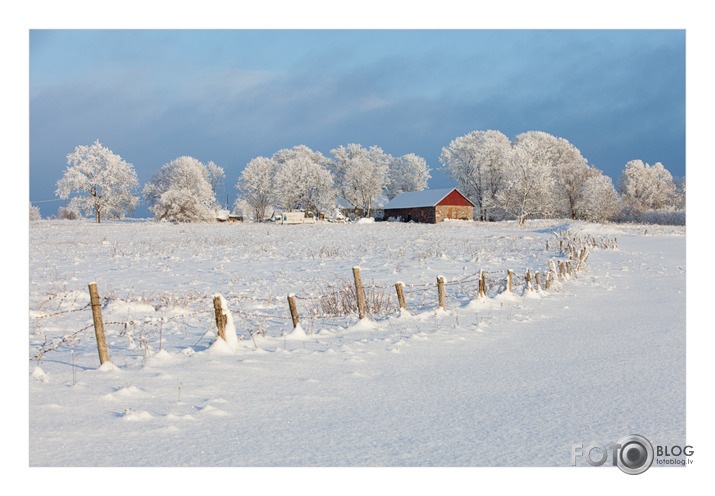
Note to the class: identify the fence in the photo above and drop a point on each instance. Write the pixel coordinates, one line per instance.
(348, 298)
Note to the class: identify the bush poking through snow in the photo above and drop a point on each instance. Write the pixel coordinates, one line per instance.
(341, 299)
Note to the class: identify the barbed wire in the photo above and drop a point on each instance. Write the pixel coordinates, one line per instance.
(46, 348)
(47, 316)
(412, 288)
(462, 285)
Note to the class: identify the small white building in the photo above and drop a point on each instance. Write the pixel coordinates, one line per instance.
(294, 218)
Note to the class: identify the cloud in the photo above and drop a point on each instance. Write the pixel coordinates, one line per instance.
(611, 98)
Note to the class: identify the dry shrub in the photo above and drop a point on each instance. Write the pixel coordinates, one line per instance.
(340, 299)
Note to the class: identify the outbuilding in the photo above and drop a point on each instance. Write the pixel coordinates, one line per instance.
(430, 206)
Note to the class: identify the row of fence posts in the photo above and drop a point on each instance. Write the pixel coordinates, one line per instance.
(565, 269)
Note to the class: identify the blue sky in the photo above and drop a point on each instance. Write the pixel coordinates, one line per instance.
(231, 95)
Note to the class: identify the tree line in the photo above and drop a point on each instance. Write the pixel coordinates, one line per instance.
(540, 175)
(536, 175)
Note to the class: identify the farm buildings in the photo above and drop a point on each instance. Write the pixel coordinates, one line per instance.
(430, 206)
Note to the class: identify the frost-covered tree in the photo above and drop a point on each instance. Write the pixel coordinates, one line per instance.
(256, 185)
(286, 184)
(35, 212)
(597, 200)
(216, 177)
(644, 187)
(407, 173)
(478, 162)
(571, 169)
(101, 180)
(531, 188)
(679, 192)
(246, 210)
(319, 191)
(180, 191)
(68, 213)
(361, 174)
(303, 179)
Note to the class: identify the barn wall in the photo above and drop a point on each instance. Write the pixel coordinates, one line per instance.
(431, 215)
(422, 214)
(453, 212)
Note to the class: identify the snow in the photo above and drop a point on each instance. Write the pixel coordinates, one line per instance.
(507, 380)
(297, 334)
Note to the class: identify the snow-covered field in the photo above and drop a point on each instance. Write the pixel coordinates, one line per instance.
(513, 379)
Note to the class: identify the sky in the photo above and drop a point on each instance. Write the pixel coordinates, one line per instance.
(228, 96)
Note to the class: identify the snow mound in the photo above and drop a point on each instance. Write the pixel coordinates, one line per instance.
(298, 334)
(132, 416)
(362, 325)
(505, 296)
(220, 347)
(212, 410)
(532, 295)
(161, 355)
(129, 391)
(39, 375)
(108, 367)
(179, 418)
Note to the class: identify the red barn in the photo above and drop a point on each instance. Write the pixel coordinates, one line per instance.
(431, 206)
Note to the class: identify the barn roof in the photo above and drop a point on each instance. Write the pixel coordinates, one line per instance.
(378, 202)
(417, 199)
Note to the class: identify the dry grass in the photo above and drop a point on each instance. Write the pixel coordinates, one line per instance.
(340, 299)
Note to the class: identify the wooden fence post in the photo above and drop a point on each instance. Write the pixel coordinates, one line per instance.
(221, 319)
(98, 324)
(529, 285)
(509, 275)
(359, 292)
(552, 271)
(401, 295)
(549, 278)
(482, 285)
(538, 282)
(293, 310)
(440, 292)
(580, 259)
